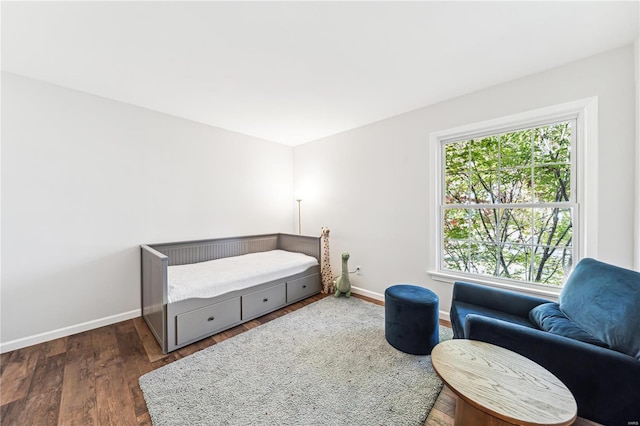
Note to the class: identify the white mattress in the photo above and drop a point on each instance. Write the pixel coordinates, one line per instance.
(216, 277)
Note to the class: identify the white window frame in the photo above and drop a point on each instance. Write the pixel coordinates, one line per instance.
(585, 175)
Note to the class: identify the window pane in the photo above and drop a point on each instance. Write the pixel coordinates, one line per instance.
(482, 225)
(456, 173)
(457, 188)
(553, 226)
(552, 265)
(515, 186)
(457, 155)
(484, 153)
(552, 183)
(484, 186)
(515, 262)
(456, 224)
(516, 226)
(516, 149)
(456, 255)
(483, 258)
(552, 144)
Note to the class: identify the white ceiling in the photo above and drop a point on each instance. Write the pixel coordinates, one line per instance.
(292, 72)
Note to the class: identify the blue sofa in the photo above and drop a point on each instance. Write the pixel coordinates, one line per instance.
(590, 339)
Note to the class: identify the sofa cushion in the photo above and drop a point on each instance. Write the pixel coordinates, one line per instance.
(604, 301)
(549, 317)
(460, 310)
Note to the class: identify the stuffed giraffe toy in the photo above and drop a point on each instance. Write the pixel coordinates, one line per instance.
(325, 269)
(343, 285)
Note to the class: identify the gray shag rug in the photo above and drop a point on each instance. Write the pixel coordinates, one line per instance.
(325, 364)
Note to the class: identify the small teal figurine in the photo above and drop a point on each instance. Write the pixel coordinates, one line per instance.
(342, 283)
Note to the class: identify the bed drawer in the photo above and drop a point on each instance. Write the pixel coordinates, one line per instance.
(302, 287)
(263, 301)
(207, 320)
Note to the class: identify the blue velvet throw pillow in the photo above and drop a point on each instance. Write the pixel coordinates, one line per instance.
(549, 317)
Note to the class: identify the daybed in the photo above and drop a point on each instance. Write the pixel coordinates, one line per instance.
(590, 340)
(193, 289)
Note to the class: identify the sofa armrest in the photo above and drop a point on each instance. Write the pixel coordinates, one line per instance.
(604, 382)
(495, 298)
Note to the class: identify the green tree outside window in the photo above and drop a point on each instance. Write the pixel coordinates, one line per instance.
(507, 208)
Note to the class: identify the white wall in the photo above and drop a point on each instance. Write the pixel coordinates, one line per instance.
(637, 208)
(369, 185)
(85, 180)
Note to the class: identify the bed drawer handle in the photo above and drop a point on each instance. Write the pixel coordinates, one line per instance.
(211, 318)
(265, 299)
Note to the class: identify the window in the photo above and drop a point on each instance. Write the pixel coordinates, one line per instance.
(510, 197)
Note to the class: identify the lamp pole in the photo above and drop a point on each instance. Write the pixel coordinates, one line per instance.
(299, 222)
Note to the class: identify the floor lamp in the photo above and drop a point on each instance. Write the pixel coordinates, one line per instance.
(298, 199)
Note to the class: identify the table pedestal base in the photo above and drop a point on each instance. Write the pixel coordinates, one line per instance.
(468, 415)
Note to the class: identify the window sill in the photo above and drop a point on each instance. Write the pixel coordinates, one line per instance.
(536, 290)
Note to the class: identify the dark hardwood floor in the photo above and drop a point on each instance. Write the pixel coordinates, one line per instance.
(91, 378)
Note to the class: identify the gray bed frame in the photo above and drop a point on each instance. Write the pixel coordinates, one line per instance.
(181, 323)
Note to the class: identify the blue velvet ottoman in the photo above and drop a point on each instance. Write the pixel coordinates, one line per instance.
(411, 318)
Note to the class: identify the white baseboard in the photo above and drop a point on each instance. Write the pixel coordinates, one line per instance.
(67, 331)
(371, 294)
(377, 296)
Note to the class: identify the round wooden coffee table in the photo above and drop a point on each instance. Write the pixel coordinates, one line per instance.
(496, 386)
